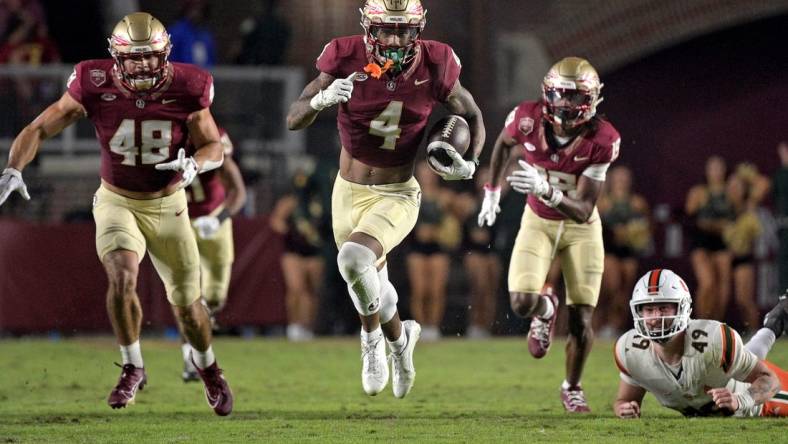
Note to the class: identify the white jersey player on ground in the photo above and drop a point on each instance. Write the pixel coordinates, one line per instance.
(698, 367)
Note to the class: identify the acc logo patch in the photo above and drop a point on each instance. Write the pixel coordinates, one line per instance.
(529, 146)
(360, 77)
(108, 97)
(526, 125)
(98, 77)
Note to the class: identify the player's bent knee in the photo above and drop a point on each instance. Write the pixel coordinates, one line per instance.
(523, 304)
(354, 260)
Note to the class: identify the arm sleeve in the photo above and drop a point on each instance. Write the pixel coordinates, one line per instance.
(509, 124)
(328, 60)
(74, 83)
(597, 171)
(451, 73)
(734, 359)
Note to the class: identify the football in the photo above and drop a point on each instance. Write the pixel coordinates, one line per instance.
(449, 133)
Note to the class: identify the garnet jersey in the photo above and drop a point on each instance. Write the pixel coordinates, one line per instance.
(207, 191)
(137, 131)
(714, 357)
(383, 122)
(563, 167)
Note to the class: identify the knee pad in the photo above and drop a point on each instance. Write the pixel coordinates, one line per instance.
(357, 267)
(388, 296)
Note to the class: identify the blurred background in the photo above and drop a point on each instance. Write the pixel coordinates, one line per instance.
(696, 89)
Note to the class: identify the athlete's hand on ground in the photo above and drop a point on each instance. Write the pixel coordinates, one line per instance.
(207, 226)
(490, 207)
(338, 91)
(528, 180)
(628, 410)
(724, 399)
(460, 169)
(186, 165)
(10, 181)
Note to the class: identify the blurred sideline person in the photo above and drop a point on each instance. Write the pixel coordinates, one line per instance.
(567, 150)
(214, 198)
(428, 257)
(710, 212)
(696, 366)
(480, 261)
(143, 107)
(626, 234)
(302, 218)
(385, 84)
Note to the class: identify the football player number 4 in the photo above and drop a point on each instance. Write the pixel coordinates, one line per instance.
(154, 147)
(386, 125)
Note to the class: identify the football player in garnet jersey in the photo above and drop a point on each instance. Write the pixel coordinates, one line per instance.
(214, 197)
(567, 150)
(696, 366)
(143, 107)
(386, 83)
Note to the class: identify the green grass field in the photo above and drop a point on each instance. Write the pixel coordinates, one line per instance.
(466, 391)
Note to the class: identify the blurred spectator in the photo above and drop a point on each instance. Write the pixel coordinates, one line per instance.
(740, 236)
(710, 212)
(24, 35)
(482, 264)
(192, 41)
(626, 234)
(304, 221)
(436, 231)
(265, 37)
(780, 181)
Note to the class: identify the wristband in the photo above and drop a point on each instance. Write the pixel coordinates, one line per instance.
(317, 101)
(490, 187)
(745, 401)
(223, 215)
(555, 198)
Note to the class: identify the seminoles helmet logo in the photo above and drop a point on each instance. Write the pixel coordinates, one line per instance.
(138, 36)
(570, 92)
(403, 18)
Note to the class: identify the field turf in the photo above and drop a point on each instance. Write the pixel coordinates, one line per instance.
(466, 391)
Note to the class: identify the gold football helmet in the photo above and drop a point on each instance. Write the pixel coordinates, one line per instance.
(570, 92)
(139, 36)
(384, 19)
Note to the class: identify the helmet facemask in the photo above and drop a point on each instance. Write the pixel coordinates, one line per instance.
(571, 93)
(383, 24)
(140, 37)
(660, 288)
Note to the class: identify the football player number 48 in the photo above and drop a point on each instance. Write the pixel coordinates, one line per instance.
(386, 125)
(154, 147)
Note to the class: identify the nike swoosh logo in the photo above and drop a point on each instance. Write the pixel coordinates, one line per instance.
(580, 159)
(180, 212)
(166, 101)
(420, 82)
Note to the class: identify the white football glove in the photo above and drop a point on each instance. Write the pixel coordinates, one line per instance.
(186, 165)
(528, 180)
(460, 169)
(338, 91)
(490, 207)
(207, 226)
(10, 181)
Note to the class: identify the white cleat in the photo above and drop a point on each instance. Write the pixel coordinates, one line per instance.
(402, 363)
(374, 368)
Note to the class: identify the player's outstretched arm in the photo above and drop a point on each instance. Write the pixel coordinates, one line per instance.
(628, 400)
(764, 384)
(322, 92)
(57, 116)
(206, 138)
(460, 101)
(49, 123)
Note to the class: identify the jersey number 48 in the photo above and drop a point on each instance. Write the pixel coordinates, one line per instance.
(154, 147)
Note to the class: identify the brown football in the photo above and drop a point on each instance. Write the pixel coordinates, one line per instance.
(449, 133)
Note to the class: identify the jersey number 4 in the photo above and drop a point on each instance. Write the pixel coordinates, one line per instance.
(386, 125)
(154, 147)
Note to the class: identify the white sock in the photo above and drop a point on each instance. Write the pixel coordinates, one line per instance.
(565, 385)
(371, 336)
(548, 313)
(132, 354)
(186, 349)
(761, 342)
(203, 359)
(399, 345)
